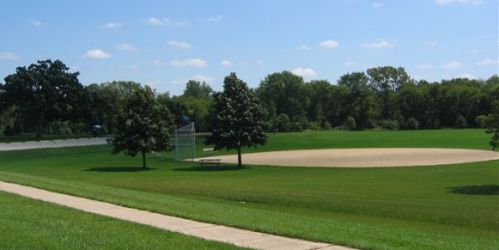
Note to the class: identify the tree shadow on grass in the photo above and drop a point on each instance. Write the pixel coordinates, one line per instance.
(475, 190)
(211, 168)
(118, 169)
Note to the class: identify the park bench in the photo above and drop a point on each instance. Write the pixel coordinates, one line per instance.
(215, 162)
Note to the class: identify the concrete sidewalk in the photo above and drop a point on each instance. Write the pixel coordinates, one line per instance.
(52, 144)
(235, 236)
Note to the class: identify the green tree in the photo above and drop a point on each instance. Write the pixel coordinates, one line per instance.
(387, 80)
(360, 101)
(493, 120)
(43, 92)
(239, 118)
(284, 93)
(143, 126)
(197, 89)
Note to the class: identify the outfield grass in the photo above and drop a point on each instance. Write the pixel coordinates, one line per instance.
(444, 207)
(441, 138)
(31, 224)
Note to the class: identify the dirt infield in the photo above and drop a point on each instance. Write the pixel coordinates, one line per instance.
(363, 157)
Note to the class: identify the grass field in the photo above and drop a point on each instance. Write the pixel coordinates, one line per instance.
(443, 207)
(30, 224)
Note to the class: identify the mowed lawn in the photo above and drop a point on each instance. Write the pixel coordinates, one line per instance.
(31, 224)
(443, 207)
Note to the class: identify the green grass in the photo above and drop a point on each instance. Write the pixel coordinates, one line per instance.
(442, 207)
(442, 138)
(31, 224)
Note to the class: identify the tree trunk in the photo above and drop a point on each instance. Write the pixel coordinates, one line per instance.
(239, 162)
(143, 159)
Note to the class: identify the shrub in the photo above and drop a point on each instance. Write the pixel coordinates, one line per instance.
(412, 123)
(461, 122)
(389, 124)
(482, 120)
(350, 123)
(281, 123)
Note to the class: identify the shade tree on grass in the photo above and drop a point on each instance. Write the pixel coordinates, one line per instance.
(239, 119)
(143, 125)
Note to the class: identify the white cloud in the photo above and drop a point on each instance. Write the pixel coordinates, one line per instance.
(467, 75)
(306, 73)
(349, 63)
(304, 48)
(449, 2)
(452, 65)
(158, 63)
(226, 63)
(259, 62)
(330, 44)
(425, 66)
(214, 18)
(112, 25)
(133, 67)
(164, 22)
(126, 47)
(203, 78)
(194, 63)
(179, 81)
(378, 5)
(9, 56)
(380, 44)
(96, 54)
(36, 23)
(488, 61)
(179, 44)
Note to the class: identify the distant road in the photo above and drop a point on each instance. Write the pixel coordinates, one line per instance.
(52, 144)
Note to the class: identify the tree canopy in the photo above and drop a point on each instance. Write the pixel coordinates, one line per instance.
(239, 118)
(43, 92)
(144, 125)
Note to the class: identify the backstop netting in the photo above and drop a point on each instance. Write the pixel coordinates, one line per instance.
(185, 142)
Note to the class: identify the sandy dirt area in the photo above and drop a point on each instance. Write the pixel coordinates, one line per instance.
(365, 157)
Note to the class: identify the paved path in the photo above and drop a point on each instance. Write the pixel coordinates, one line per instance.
(52, 144)
(363, 157)
(238, 237)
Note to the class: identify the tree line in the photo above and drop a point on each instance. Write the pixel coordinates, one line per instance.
(46, 98)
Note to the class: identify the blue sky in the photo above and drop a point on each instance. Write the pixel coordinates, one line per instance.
(166, 43)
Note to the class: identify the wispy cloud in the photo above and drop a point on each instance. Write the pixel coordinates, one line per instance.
(36, 23)
(378, 5)
(487, 61)
(193, 63)
(226, 63)
(212, 19)
(96, 54)
(468, 75)
(158, 63)
(126, 47)
(165, 22)
(306, 73)
(179, 44)
(304, 48)
(349, 63)
(9, 56)
(425, 66)
(449, 2)
(203, 78)
(112, 25)
(380, 44)
(452, 65)
(330, 44)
